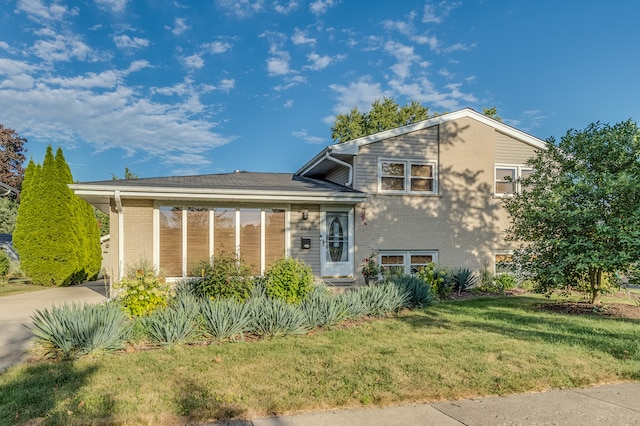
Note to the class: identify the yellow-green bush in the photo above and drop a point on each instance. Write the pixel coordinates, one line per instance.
(289, 279)
(143, 294)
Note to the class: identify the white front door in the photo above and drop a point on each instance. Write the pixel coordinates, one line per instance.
(337, 242)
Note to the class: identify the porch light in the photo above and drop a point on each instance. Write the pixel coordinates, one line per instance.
(305, 214)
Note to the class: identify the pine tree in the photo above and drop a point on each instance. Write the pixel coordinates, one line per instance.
(23, 230)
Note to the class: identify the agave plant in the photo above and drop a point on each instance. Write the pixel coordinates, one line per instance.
(462, 279)
(171, 325)
(382, 299)
(418, 291)
(71, 331)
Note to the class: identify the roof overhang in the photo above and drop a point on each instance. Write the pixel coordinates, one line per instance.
(100, 196)
(6, 190)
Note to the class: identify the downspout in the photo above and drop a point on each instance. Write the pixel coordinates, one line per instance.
(328, 156)
(116, 196)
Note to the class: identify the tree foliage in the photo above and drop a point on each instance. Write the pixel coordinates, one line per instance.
(8, 213)
(11, 157)
(56, 232)
(384, 115)
(577, 216)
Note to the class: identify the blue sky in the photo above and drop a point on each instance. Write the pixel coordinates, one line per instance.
(190, 87)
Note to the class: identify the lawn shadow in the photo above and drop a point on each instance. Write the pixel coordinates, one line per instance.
(517, 318)
(199, 403)
(50, 393)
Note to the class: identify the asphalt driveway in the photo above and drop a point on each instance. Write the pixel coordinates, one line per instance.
(16, 311)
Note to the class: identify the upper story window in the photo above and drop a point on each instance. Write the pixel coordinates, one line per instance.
(507, 178)
(407, 176)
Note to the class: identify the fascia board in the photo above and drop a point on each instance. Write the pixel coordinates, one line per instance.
(204, 195)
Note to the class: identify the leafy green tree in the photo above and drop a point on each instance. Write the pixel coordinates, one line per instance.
(27, 211)
(577, 215)
(8, 213)
(128, 174)
(492, 113)
(11, 157)
(384, 115)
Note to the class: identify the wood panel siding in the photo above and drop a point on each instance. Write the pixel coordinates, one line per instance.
(309, 228)
(339, 175)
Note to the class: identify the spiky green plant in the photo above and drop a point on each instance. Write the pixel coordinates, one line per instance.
(462, 279)
(382, 299)
(354, 304)
(275, 317)
(71, 331)
(224, 319)
(323, 309)
(171, 326)
(419, 292)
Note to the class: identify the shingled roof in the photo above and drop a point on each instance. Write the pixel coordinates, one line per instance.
(238, 186)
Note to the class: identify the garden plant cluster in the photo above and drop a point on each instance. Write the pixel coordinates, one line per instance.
(224, 304)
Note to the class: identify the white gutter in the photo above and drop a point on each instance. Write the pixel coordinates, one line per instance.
(327, 156)
(116, 196)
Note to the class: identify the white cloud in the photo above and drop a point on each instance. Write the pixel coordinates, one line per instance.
(302, 134)
(11, 67)
(193, 61)
(423, 90)
(179, 26)
(39, 12)
(438, 12)
(114, 5)
(318, 62)
(279, 63)
(242, 8)
(290, 81)
(319, 7)
(5, 46)
(404, 55)
(360, 94)
(18, 81)
(83, 108)
(138, 65)
(226, 85)
(216, 47)
(288, 104)
(126, 42)
(300, 37)
(285, 9)
(61, 48)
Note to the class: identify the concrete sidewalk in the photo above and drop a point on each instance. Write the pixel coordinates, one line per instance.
(16, 311)
(602, 405)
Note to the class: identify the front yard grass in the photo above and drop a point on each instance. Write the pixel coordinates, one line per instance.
(451, 350)
(18, 285)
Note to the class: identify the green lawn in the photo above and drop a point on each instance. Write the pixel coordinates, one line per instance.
(452, 350)
(18, 285)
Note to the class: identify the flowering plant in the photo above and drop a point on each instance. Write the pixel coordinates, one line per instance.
(370, 268)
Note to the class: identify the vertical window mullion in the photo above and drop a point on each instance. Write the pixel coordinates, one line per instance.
(237, 233)
(211, 233)
(184, 242)
(263, 234)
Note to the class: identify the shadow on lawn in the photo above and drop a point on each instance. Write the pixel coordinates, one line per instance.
(197, 402)
(51, 393)
(518, 318)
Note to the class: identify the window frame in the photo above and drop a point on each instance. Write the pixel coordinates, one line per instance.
(495, 261)
(518, 171)
(406, 255)
(408, 177)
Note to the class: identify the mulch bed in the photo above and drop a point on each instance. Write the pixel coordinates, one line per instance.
(610, 310)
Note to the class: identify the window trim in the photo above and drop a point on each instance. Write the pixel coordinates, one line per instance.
(406, 254)
(407, 175)
(495, 263)
(518, 168)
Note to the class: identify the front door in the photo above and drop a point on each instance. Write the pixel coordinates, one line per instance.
(337, 243)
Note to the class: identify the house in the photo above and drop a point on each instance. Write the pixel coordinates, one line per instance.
(428, 191)
(6, 190)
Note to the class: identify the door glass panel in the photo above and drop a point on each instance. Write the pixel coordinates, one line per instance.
(337, 237)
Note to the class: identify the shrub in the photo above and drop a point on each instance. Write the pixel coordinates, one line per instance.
(275, 317)
(228, 277)
(462, 279)
(5, 264)
(75, 330)
(505, 282)
(143, 294)
(354, 305)
(418, 292)
(225, 318)
(323, 309)
(171, 325)
(289, 279)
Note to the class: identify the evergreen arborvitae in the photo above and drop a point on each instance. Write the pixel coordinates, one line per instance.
(56, 235)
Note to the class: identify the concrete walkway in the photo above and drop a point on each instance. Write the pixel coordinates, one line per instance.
(602, 405)
(16, 311)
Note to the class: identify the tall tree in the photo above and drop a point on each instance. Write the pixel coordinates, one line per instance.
(577, 215)
(492, 113)
(384, 115)
(11, 157)
(8, 213)
(56, 233)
